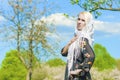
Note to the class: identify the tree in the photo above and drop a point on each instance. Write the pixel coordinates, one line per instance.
(96, 5)
(118, 63)
(12, 68)
(27, 30)
(103, 59)
(55, 62)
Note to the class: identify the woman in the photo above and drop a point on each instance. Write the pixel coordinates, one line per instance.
(80, 55)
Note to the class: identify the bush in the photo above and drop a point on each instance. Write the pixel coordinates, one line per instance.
(103, 59)
(118, 63)
(12, 68)
(55, 62)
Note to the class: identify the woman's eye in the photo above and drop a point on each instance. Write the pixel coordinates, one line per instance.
(78, 18)
(83, 20)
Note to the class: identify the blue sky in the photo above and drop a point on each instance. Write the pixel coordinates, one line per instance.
(107, 27)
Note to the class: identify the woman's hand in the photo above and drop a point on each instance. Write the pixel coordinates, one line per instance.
(75, 72)
(73, 39)
(65, 49)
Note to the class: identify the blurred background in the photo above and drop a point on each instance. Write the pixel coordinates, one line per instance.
(33, 32)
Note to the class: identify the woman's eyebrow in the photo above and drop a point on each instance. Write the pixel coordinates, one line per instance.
(81, 19)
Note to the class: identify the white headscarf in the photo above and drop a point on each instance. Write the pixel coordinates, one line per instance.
(74, 48)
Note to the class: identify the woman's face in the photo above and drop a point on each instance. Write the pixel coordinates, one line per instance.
(81, 22)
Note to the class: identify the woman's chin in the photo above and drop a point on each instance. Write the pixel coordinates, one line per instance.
(79, 29)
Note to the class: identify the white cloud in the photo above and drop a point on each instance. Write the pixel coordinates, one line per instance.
(52, 35)
(59, 19)
(2, 18)
(109, 27)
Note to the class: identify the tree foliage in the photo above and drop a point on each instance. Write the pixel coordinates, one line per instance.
(103, 59)
(55, 62)
(118, 63)
(26, 29)
(12, 68)
(96, 5)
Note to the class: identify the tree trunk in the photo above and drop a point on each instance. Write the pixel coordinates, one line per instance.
(18, 39)
(29, 74)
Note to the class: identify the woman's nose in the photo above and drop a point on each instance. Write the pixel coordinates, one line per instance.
(79, 21)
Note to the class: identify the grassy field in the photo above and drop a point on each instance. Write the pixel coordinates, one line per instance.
(57, 73)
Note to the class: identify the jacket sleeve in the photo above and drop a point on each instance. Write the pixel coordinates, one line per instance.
(88, 55)
(64, 54)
